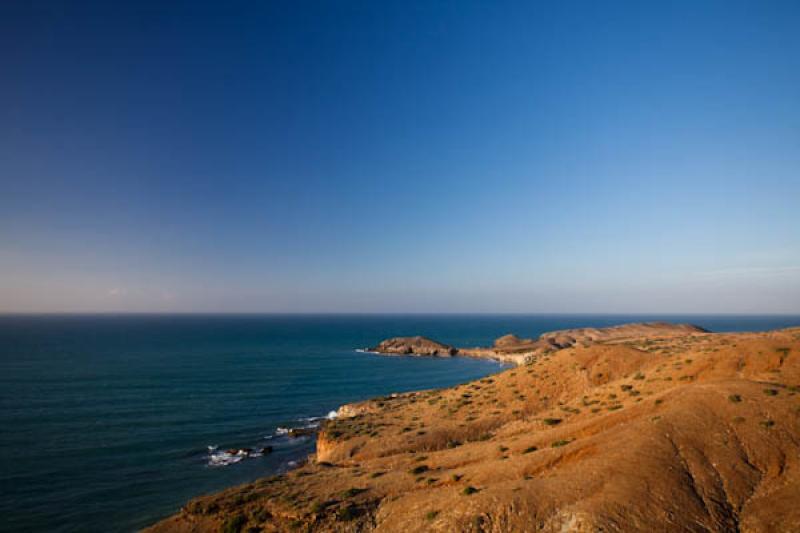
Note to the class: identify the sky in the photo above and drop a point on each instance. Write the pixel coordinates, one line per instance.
(348, 156)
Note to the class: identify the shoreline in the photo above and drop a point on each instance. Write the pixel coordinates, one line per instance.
(424, 458)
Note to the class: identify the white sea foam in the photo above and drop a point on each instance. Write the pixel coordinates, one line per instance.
(224, 458)
(279, 439)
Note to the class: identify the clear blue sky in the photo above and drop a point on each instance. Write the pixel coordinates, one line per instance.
(400, 156)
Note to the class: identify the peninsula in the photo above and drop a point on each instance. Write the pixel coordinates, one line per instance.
(641, 427)
(512, 349)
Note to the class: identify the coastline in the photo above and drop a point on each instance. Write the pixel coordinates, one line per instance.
(454, 448)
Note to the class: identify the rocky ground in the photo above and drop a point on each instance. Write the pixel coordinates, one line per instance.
(652, 429)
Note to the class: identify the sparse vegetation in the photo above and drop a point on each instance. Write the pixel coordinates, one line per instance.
(421, 439)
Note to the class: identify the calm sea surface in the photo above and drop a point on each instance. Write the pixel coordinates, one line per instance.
(106, 421)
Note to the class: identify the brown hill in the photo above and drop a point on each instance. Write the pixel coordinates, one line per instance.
(512, 349)
(680, 432)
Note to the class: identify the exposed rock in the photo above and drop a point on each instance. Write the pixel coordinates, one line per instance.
(516, 350)
(414, 346)
(301, 432)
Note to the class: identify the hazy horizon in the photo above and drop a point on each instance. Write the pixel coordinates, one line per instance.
(363, 157)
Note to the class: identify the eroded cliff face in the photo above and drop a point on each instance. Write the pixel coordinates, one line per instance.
(684, 431)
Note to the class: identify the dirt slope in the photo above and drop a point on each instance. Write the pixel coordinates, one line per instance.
(692, 432)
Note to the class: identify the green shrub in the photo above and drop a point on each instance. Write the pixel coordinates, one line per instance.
(735, 398)
(431, 515)
(771, 392)
(348, 513)
(469, 490)
(234, 524)
(353, 491)
(560, 443)
(318, 507)
(530, 449)
(418, 470)
(551, 421)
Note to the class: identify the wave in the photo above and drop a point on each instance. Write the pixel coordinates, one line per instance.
(282, 437)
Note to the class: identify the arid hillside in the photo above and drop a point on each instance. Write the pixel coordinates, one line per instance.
(689, 431)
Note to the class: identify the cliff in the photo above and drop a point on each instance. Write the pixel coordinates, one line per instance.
(622, 429)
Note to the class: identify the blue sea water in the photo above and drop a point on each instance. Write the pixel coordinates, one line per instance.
(106, 421)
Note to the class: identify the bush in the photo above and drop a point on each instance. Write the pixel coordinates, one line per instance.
(469, 490)
(348, 513)
(431, 515)
(735, 398)
(560, 443)
(551, 421)
(771, 392)
(234, 524)
(530, 449)
(318, 507)
(418, 470)
(353, 491)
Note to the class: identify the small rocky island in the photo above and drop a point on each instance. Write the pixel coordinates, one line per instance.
(414, 346)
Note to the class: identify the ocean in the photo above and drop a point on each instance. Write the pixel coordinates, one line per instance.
(111, 422)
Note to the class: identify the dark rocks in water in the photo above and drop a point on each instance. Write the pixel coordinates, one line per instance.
(414, 346)
(301, 432)
(266, 449)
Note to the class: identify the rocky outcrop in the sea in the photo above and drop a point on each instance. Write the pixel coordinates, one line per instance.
(414, 346)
